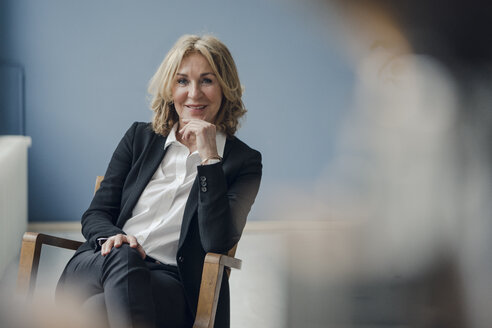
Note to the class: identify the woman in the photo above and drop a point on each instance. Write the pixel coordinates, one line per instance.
(173, 191)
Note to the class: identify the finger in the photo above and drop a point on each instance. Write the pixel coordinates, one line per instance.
(185, 122)
(182, 130)
(107, 246)
(132, 241)
(187, 132)
(189, 120)
(201, 128)
(118, 240)
(197, 126)
(193, 123)
(104, 247)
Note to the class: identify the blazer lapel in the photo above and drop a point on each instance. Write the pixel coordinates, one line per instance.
(152, 159)
(190, 210)
(192, 202)
(227, 148)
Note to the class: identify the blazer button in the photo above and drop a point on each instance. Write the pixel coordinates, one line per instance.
(203, 183)
(181, 259)
(204, 189)
(203, 178)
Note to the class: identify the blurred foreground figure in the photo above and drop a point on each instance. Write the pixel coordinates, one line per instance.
(42, 312)
(415, 161)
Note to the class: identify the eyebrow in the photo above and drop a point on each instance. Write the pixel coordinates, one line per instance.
(203, 74)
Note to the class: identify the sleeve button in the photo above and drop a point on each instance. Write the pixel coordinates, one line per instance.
(204, 189)
(203, 178)
(203, 183)
(181, 259)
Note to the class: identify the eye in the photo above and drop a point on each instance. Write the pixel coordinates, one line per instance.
(182, 81)
(206, 80)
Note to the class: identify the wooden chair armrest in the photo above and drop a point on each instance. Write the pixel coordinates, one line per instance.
(30, 254)
(213, 269)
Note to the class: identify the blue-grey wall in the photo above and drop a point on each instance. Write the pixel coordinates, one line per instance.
(87, 65)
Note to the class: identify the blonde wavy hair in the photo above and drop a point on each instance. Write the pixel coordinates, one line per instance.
(224, 68)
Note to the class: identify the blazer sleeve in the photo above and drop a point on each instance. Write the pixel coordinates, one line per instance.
(222, 207)
(100, 218)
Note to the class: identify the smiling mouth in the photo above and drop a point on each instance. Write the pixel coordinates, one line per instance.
(199, 107)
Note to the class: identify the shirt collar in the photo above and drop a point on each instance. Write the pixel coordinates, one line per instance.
(220, 140)
(171, 137)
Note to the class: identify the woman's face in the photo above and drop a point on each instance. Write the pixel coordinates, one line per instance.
(196, 91)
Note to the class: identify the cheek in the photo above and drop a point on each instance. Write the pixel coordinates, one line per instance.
(217, 96)
(176, 94)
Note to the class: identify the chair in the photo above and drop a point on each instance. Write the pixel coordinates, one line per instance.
(213, 269)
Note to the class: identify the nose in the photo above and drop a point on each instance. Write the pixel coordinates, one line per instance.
(194, 91)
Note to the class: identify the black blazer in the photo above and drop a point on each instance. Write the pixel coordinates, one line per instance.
(215, 213)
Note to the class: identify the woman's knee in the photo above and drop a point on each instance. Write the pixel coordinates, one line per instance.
(125, 257)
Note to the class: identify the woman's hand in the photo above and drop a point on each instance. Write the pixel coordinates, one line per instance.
(120, 239)
(203, 134)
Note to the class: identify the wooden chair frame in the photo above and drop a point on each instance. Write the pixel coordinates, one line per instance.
(212, 273)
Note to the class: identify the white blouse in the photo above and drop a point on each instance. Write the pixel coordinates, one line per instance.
(157, 216)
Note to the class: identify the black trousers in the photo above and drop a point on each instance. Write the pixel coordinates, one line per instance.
(135, 292)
